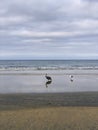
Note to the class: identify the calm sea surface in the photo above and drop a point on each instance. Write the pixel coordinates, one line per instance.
(48, 64)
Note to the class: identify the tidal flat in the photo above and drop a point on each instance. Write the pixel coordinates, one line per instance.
(35, 81)
(28, 102)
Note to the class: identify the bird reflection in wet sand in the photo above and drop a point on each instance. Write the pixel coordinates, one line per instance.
(48, 82)
(71, 80)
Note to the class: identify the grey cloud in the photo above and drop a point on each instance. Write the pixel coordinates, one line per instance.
(91, 1)
(48, 28)
(37, 10)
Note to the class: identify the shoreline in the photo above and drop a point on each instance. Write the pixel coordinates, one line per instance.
(52, 72)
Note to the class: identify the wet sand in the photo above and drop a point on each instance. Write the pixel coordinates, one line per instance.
(28, 90)
(26, 102)
(35, 81)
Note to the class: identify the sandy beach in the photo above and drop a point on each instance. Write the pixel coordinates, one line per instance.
(27, 103)
(60, 111)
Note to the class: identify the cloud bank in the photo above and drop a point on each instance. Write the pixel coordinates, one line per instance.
(49, 29)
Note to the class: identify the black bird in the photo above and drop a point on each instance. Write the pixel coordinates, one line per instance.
(48, 77)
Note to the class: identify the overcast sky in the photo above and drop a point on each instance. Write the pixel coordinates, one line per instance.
(49, 29)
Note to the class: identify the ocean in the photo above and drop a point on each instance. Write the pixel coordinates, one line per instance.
(23, 65)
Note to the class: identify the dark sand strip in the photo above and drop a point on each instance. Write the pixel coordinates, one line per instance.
(23, 101)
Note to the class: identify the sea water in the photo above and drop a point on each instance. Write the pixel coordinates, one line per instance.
(48, 65)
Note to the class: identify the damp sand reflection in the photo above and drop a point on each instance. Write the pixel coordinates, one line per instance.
(48, 83)
(39, 84)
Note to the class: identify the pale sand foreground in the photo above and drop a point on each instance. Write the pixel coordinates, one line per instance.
(50, 118)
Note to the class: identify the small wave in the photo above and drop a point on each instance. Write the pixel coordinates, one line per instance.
(45, 68)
